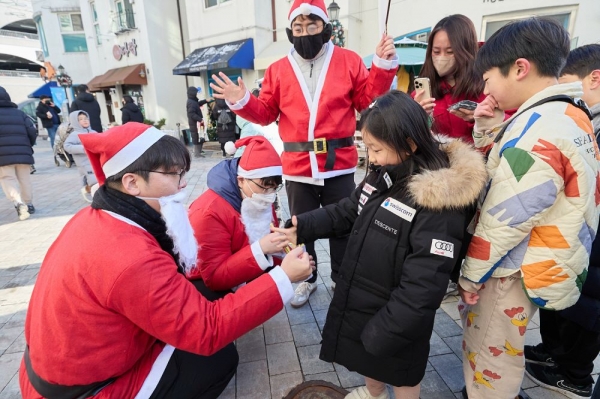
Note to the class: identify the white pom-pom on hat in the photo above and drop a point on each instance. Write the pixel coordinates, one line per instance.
(230, 147)
(305, 9)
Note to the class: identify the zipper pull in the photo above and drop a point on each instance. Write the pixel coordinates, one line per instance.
(311, 68)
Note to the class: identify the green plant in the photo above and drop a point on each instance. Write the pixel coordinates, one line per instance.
(161, 122)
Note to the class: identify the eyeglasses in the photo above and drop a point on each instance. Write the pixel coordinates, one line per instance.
(311, 29)
(268, 190)
(181, 173)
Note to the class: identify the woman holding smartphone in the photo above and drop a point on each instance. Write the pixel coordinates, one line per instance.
(451, 52)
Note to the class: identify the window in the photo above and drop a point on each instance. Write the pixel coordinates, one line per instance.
(125, 18)
(96, 23)
(71, 28)
(563, 15)
(213, 3)
(42, 35)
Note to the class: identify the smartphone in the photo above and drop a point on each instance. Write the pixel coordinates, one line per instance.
(423, 84)
(464, 104)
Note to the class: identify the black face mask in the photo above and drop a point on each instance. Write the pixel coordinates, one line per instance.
(309, 46)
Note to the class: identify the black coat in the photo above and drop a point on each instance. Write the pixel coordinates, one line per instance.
(224, 132)
(17, 133)
(131, 113)
(192, 107)
(402, 247)
(87, 102)
(586, 312)
(41, 112)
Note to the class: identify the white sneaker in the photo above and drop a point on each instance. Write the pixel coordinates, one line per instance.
(302, 293)
(452, 290)
(363, 393)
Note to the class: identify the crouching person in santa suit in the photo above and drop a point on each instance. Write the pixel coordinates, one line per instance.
(114, 315)
(231, 220)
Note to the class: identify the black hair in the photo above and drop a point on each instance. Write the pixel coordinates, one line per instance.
(168, 153)
(582, 61)
(271, 181)
(128, 99)
(399, 121)
(541, 41)
(82, 89)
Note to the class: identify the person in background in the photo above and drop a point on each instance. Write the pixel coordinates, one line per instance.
(451, 51)
(86, 101)
(17, 136)
(225, 123)
(112, 314)
(48, 114)
(319, 157)
(194, 114)
(80, 123)
(564, 360)
(130, 111)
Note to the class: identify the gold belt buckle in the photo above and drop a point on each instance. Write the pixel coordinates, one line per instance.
(320, 146)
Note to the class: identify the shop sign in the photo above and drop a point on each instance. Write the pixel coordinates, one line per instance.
(125, 49)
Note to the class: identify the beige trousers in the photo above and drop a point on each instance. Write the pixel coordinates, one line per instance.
(494, 338)
(14, 176)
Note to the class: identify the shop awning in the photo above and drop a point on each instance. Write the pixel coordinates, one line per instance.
(129, 75)
(238, 54)
(43, 89)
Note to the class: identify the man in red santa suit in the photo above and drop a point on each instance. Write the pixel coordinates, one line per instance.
(232, 219)
(315, 92)
(112, 314)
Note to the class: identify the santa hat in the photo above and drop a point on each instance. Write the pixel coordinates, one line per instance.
(111, 152)
(259, 159)
(306, 7)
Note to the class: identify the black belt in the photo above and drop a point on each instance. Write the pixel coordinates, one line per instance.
(320, 146)
(56, 391)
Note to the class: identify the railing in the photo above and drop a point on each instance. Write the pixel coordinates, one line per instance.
(19, 74)
(20, 35)
(124, 21)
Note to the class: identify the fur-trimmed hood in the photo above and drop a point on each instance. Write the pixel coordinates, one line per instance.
(455, 187)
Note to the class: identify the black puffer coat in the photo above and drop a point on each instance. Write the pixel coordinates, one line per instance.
(131, 113)
(224, 132)
(87, 102)
(403, 245)
(192, 107)
(17, 133)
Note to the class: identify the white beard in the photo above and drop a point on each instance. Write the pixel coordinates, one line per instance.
(179, 228)
(257, 219)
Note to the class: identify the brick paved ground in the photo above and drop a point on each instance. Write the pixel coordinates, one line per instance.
(273, 357)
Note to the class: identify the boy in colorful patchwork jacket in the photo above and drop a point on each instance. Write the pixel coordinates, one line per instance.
(539, 214)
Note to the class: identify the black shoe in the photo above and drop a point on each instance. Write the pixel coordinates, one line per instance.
(30, 209)
(551, 378)
(538, 355)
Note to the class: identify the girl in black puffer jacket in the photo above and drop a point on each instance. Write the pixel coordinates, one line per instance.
(406, 223)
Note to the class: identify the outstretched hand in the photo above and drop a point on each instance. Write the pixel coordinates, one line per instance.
(290, 233)
(225, 89)
(385, 48)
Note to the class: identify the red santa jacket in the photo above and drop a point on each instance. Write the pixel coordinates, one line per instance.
(451, 125)
(108, 297)
(344, 87)
(225, 257)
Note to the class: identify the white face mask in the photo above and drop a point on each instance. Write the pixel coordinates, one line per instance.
(262, 200)
(179, 228)
(443, 65)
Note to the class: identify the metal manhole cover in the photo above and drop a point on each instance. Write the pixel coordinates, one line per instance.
(317, 390)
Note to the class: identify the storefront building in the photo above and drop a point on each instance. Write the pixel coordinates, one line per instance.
(117, 48)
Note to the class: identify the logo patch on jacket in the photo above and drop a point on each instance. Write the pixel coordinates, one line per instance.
(399, 209)
(442, 248)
